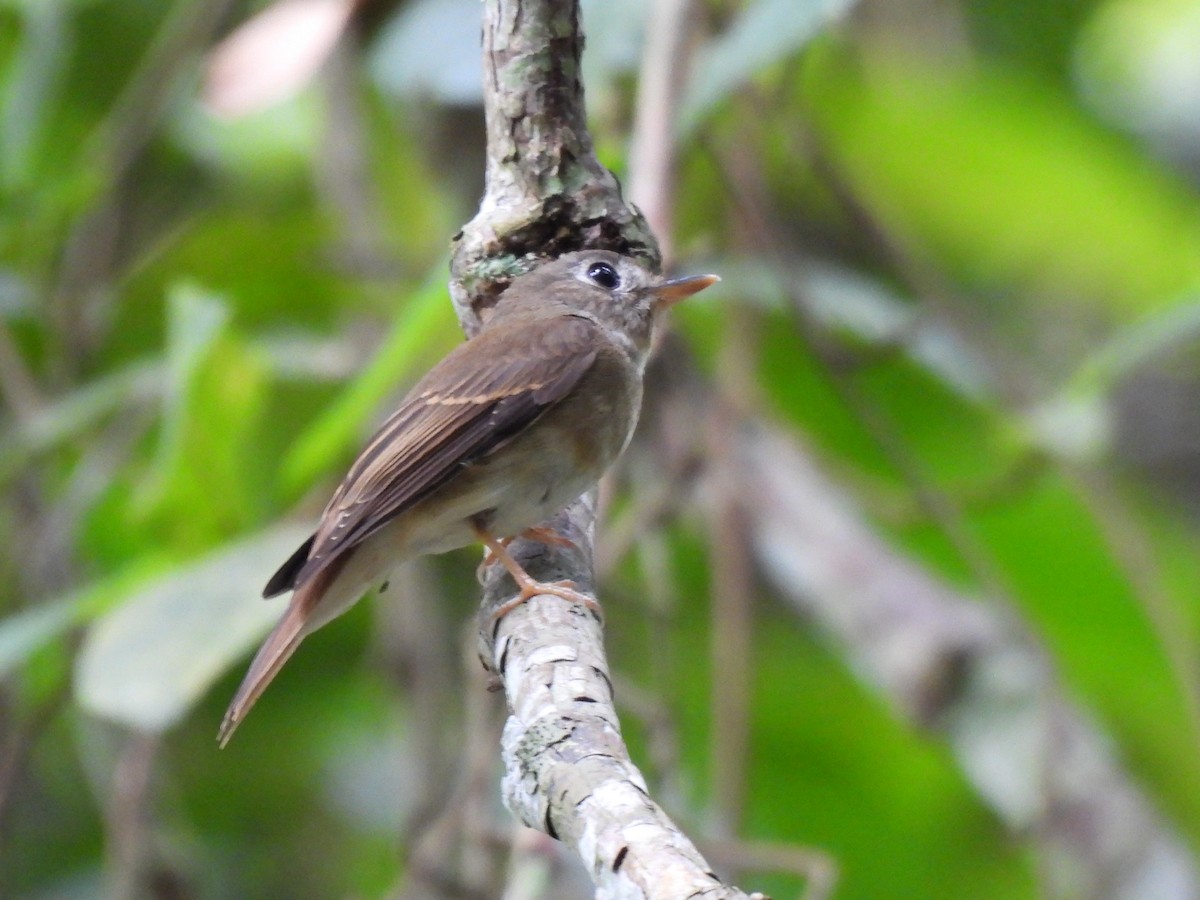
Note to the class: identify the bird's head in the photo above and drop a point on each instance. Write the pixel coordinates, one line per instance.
(617, 292)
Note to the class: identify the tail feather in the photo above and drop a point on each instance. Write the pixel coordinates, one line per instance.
(316, 601)
(280, 644)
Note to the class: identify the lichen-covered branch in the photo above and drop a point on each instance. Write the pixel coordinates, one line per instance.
(567, 770)
(546, 193)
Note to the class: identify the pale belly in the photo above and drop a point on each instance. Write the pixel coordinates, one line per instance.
(512, 491)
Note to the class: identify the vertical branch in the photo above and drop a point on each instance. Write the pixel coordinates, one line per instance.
(567, 771)
(652, 151)
(546, 193)
(126, 825)
(732, 624)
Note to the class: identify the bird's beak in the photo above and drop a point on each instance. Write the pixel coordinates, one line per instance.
(672, 291)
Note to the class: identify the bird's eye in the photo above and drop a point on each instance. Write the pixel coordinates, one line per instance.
(604, 275)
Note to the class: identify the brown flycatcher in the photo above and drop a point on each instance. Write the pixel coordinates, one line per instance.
(504, 432)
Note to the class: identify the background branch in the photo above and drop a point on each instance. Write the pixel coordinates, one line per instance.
(968, 670)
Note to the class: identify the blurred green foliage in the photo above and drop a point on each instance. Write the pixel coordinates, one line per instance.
(202, 319)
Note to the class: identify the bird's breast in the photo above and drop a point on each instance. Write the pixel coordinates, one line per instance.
(570, 446)
(539, 471)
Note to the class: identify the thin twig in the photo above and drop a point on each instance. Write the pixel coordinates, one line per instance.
(731, 631)
(1132, 549)
(653, 142)
(127, 817)
(18, 387)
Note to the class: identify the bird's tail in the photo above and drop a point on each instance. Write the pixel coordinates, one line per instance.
(280, 644)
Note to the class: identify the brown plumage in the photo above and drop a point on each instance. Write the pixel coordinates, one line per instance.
(506, 430)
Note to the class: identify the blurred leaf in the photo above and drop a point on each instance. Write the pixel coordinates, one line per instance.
(1077, 423)
(1011, 185)
(195, 319)
(65, 420)
(1138, 344)
(851, 303)
(1042, 34)
(1132, 60)
(261, 247)
(1071, 427)
(866, 308)
(765, 32)
(274, 144)
(306, 357)
(424, 322)
(430, 50)
(213, 397)
(1063, 572)
(145, 663)
(273, 55)
(29, 630)
(29, 94)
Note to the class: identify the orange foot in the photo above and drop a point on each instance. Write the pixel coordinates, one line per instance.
(527, 584)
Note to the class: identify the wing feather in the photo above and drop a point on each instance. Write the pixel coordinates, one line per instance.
(445, 423)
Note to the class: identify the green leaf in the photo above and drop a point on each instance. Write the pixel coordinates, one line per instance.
(30, 95)
(195, 319)
(26, 632)
(1130, 61)
(65, 421)
(147, 662)
(426, 321)
(204, 485)
(276, 144)
(1153, 337)
(1077, 422)
(996, 176)
(848, 302)
(31, 629)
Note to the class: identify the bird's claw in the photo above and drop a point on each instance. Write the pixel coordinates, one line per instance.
(567, 590)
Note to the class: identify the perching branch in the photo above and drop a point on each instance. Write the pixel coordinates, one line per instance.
(567, 770)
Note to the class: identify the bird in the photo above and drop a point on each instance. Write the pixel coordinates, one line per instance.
(506, 430)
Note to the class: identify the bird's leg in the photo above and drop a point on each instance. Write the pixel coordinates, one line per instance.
(540, 534)
(490, 558)
(548, 536)
(527, 585)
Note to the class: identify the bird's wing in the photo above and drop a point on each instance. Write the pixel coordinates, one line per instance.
(443, 424)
